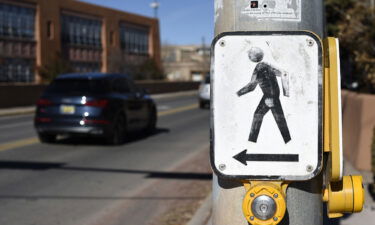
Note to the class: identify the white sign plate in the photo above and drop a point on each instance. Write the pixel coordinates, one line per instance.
(266, 105)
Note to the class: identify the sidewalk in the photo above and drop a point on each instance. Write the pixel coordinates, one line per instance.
(31, 109)
(366, 217)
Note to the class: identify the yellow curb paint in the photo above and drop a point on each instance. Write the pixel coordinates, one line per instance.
(177, 110)
(18, 144)
(34, 140)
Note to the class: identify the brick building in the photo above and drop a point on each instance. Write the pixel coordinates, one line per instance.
(186, 62)
(36, 33)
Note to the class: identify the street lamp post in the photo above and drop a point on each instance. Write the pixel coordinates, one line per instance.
(155, 5)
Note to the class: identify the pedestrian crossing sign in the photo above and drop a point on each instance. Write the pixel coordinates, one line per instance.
(267, 105)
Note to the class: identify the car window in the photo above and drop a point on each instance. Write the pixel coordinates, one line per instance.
(120, 85)
(132, 86)
(77, 86)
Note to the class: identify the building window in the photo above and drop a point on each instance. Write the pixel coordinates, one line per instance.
(85, 67)
(82, 42)
(81, 31)
(17, 22)
(16, 70)
(17, 43)
(134, 39)
(50, 30)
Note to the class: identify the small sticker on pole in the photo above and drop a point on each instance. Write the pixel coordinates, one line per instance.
(283, 10)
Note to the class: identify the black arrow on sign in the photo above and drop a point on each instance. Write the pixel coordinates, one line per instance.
(243, 157)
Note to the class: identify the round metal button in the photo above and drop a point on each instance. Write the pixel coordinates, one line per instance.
(263, 207)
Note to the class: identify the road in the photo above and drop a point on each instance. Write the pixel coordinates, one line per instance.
(85, 182)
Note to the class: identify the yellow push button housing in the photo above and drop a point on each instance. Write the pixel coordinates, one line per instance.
(343, 194)
(264, 202)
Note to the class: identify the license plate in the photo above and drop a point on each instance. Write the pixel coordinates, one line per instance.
(67, 109)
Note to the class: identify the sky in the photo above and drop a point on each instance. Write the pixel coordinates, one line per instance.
(182, 22)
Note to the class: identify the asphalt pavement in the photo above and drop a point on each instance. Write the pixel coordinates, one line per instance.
(159, 179)
(85, 182)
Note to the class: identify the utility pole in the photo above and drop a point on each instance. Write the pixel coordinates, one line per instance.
(304, 198)
(155, 6)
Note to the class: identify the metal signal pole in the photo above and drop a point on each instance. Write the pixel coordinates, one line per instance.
(304, 199)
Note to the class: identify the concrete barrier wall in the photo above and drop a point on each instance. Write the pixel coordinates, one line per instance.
(27, 95)
(358, 124)
(19, 95)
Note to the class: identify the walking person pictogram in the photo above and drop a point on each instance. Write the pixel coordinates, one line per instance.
(265, 75)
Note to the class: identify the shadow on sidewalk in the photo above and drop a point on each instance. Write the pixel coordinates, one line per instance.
(25, 165)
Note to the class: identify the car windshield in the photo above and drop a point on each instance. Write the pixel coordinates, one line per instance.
(76, 86)
(207, 80)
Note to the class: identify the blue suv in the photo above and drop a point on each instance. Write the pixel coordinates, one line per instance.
(94, 104)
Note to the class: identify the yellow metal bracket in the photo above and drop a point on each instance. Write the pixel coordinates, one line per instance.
(343, 194)
(259, 189)
(332, 108)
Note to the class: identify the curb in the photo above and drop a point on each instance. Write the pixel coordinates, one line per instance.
(31, 109)
(203, 214)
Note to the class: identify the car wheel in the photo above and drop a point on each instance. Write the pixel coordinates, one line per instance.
(47, 138)
(117, 135)
(151, 125)
(202, 105)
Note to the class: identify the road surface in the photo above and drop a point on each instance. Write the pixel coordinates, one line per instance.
(149, 180)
